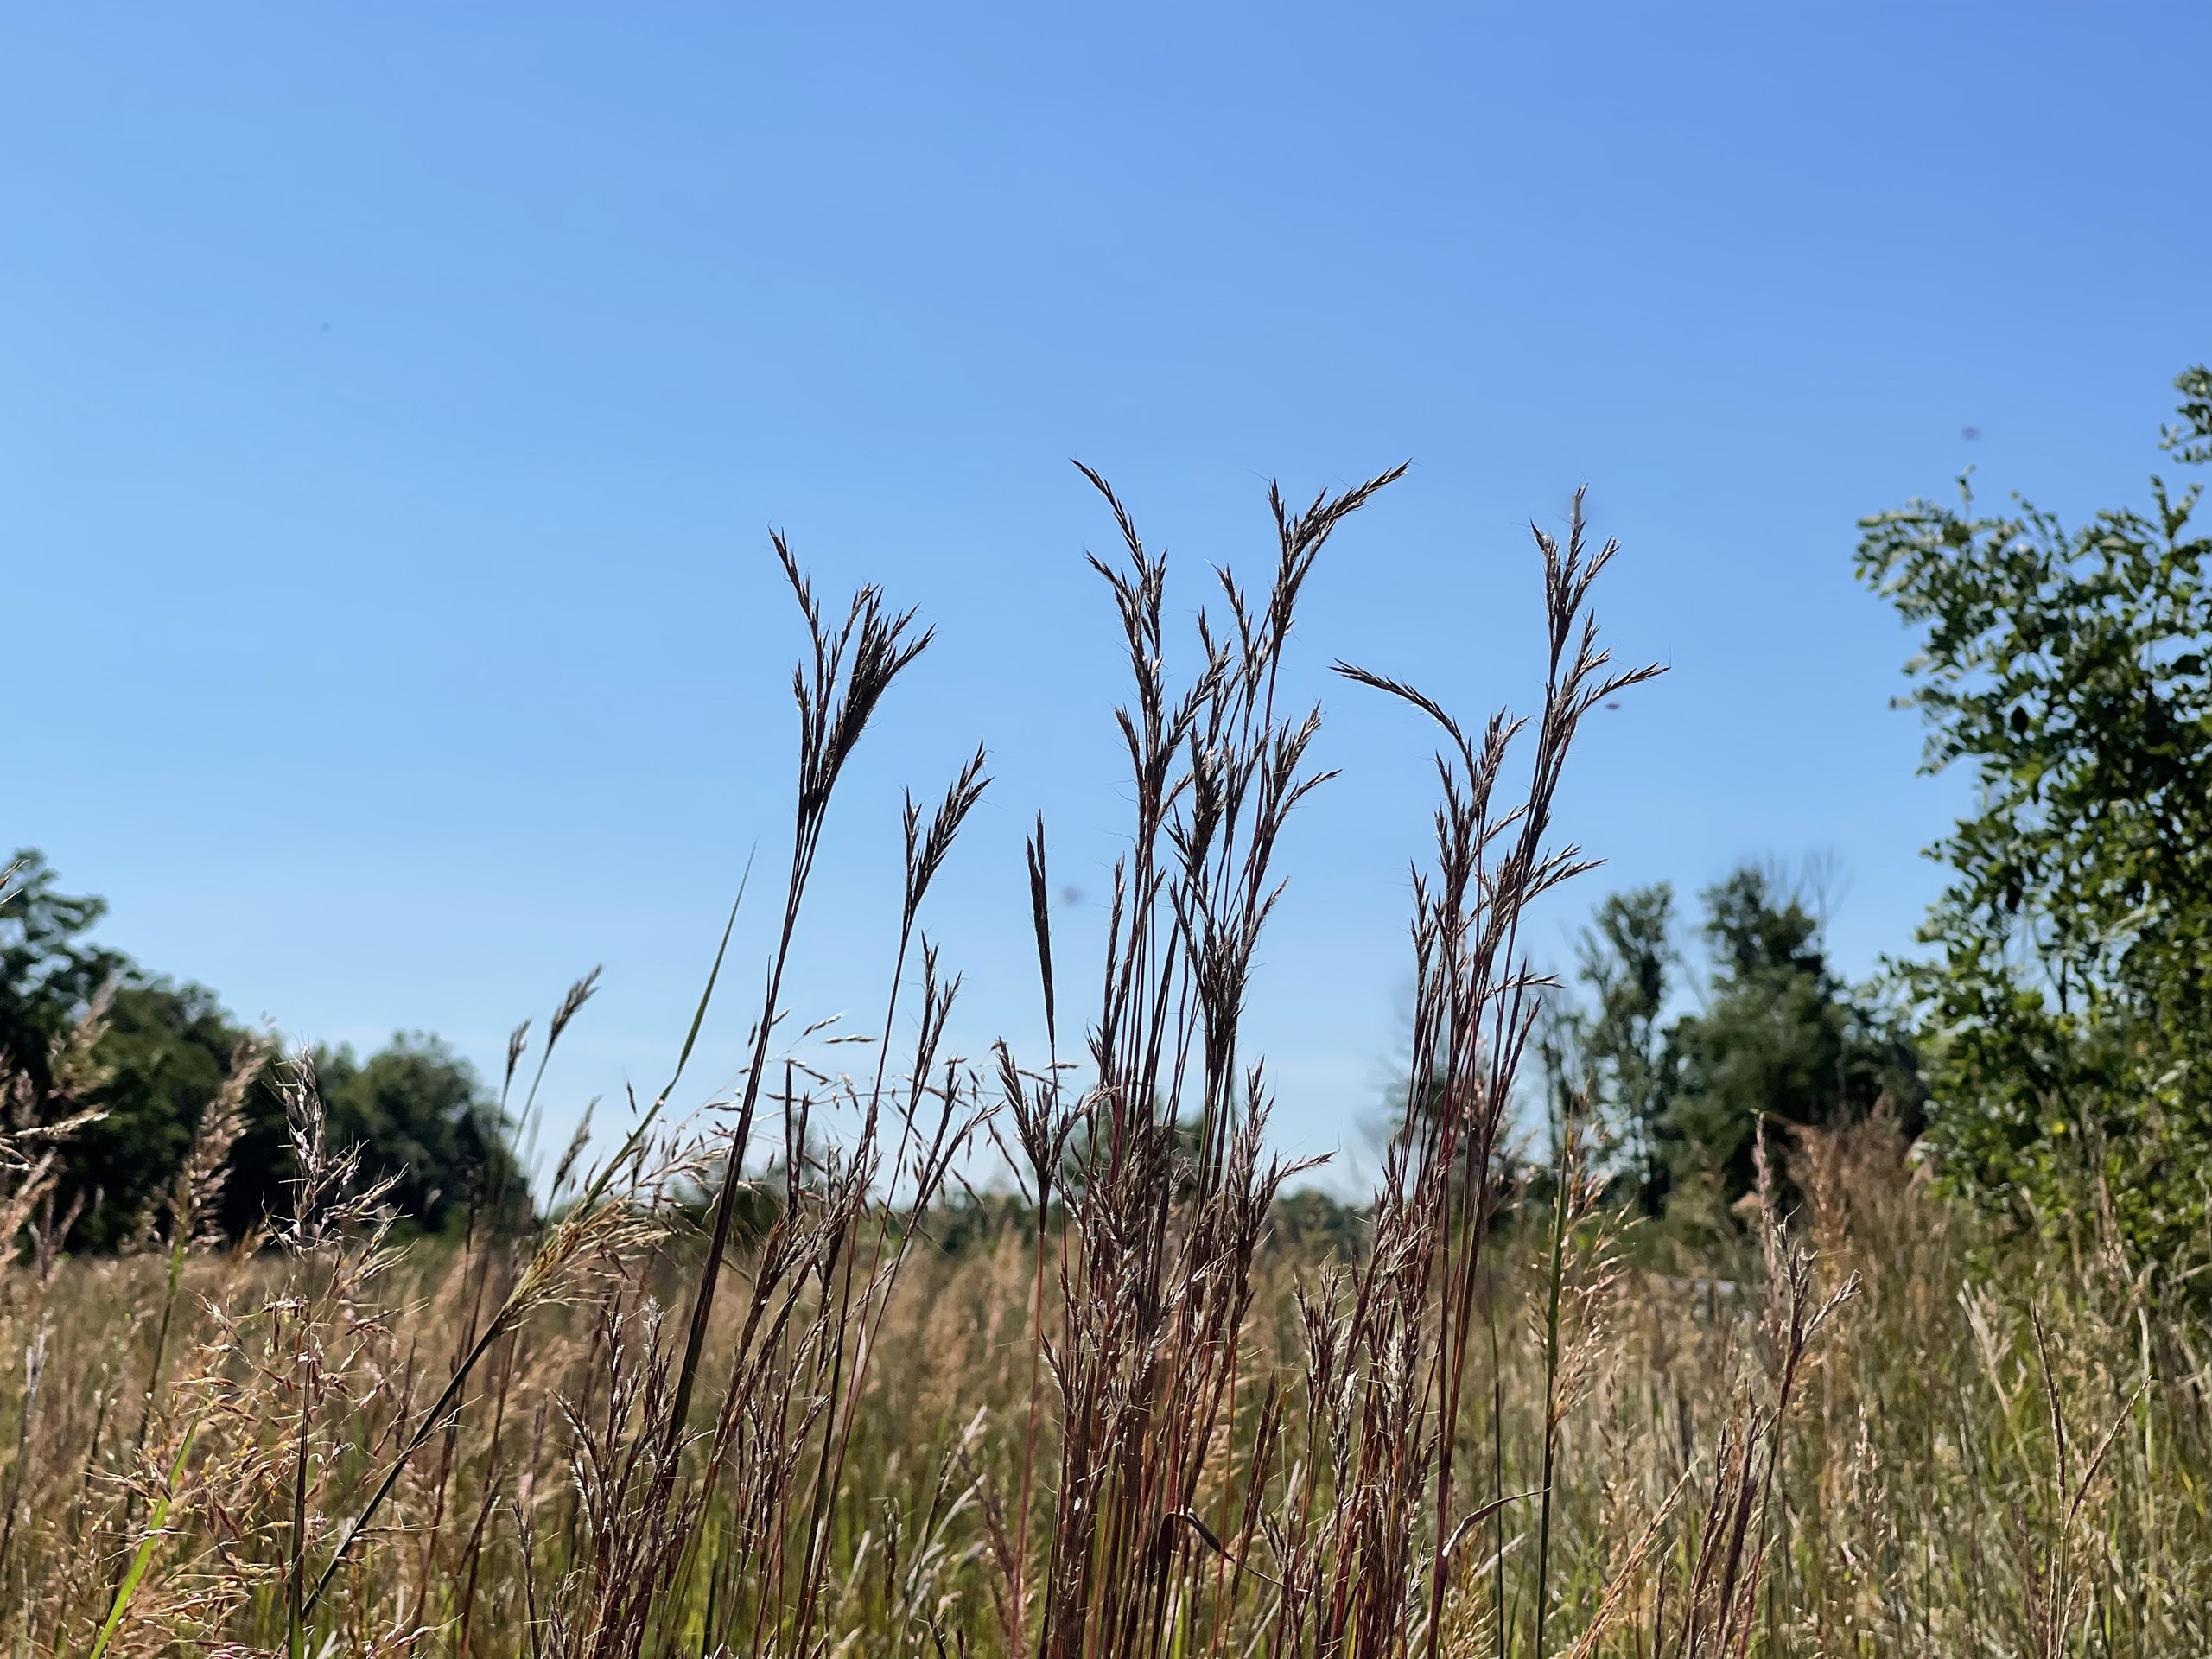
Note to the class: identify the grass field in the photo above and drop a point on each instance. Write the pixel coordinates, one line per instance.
(788, 1391)
(2014, 1464)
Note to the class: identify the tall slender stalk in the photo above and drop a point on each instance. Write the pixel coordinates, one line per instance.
(853, 666)
(1554, 1283)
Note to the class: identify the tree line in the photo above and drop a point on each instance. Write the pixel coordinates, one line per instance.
(87, 1033)
(1772, 1034)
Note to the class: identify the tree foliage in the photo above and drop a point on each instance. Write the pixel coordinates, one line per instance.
(164, 1052)
(1631, 966)
(1775, 1034)
(49, 972)
(2069, 996)
(161, 1052)
(1781, 1035)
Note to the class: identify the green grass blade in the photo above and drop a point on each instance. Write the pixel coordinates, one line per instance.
(144, 1557)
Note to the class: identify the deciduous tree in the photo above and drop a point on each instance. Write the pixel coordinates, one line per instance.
(2069, 990)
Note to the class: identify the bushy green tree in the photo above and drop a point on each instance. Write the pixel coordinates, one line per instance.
(2069, 996)
(1631, 966)
(49, 972)
(1776, 1035)
(1781, 1036)
(163, 1051)
(423, 1116)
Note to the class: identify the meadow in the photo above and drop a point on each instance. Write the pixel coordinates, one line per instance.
(776, 1379)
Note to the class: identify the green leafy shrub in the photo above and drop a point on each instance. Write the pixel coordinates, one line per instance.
(2069, 995)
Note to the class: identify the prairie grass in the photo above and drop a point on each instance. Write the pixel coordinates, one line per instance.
(784, 1386)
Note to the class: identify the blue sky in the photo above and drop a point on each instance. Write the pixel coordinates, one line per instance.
(394, 400)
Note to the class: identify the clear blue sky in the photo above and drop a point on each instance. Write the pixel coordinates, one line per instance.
(394, 400)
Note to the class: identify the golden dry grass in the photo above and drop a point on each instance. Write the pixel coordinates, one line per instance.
(1922, 1501)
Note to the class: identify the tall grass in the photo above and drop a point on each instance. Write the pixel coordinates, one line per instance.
(744, 1393)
